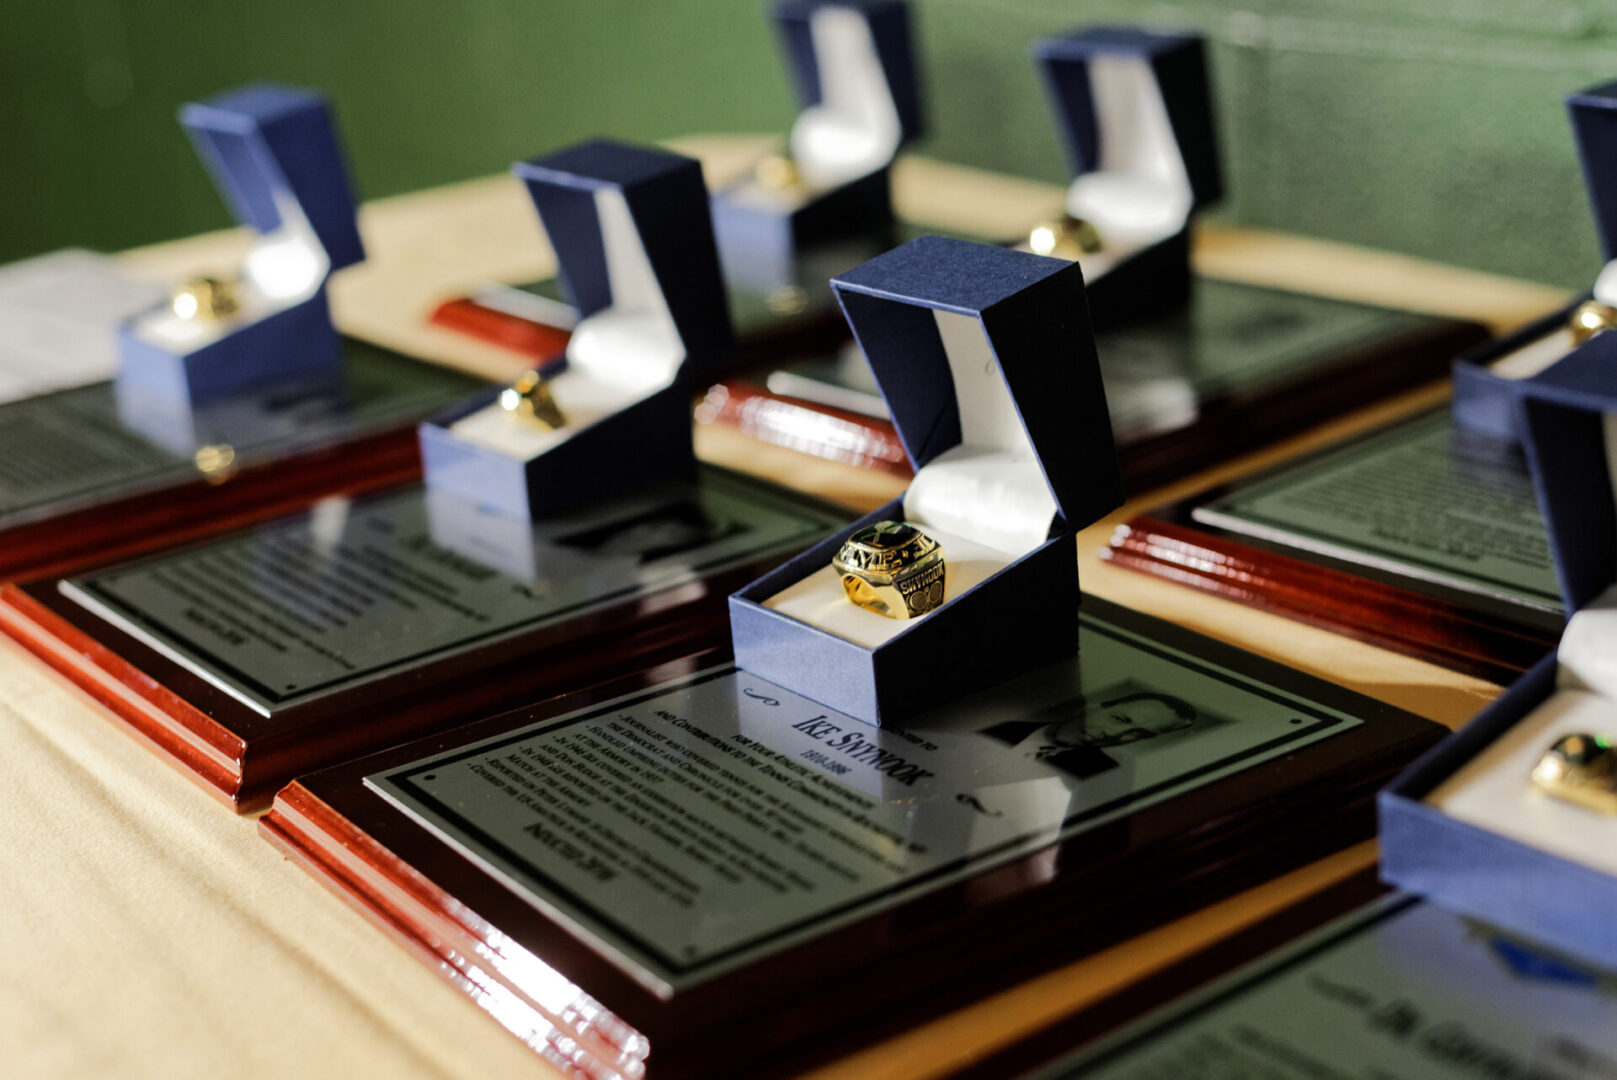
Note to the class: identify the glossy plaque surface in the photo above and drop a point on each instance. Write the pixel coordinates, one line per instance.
(83, 480)
(724, 818)
(61, 451)
(1399, 989)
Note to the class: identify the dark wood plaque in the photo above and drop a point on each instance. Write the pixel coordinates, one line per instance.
(253, 656)
(541, 860)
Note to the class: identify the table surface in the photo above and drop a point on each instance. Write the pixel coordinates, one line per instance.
(148, 932)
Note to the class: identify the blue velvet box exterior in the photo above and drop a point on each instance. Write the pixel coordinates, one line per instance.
(1158, 277)
(864, 204)
(265, 146)
(762, 233)
(1470, 869)
(1036, 319)
(296, 346)
(1485, 402)
(647, 443)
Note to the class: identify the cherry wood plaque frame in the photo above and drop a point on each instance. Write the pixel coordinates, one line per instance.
(874, 976)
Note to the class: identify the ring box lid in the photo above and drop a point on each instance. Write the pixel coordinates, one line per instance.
(636, 257)
(274, 156)
(1486, 379)
(1135, 115)
(1005, 421)
(1570, 436)
(853, 64)
(1593, 113)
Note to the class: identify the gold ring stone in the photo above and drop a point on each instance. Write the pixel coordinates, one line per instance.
(1066, 237)
(206, 299)
(1580, 768)
(892, 569)
(1590, 318)
(529, 400)
(778, 172)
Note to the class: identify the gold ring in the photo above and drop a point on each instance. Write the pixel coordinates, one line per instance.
(892, 569)
(778, 172)
(1580, 768)
(1066, 237)
(1590, 318)
(206, 299)
(530, 401)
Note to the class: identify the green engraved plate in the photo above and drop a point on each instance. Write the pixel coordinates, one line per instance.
(709, 823)
(1418, 500)
(1398, 990)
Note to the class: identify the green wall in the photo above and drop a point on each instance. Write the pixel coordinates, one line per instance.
(1432, 128)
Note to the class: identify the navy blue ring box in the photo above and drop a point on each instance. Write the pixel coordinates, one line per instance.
(986, 359)
(1134, 111)
(634, 243)
(1496, 872)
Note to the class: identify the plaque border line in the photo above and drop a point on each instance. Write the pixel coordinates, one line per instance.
(1281, 530)
(403, 779)
(207, 665)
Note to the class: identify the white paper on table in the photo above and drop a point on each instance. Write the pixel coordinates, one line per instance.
(58, 317)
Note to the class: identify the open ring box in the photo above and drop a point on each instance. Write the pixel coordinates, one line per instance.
(273, 154)
(215, 421)
(1134, 112)
(643, 272)
(1484, 394)
(1464, 825)
(986, 359)
(853, 65)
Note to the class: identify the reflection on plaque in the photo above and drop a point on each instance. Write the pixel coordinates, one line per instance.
(1239, 367)
(1422, 537)
(665, 870)
(268, 651)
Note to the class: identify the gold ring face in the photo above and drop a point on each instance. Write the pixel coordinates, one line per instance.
(778, 172)
(205, 299)
(1580, 768)
(1590, 318)
(1064, 238)
(892, 569)
(529, 401)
